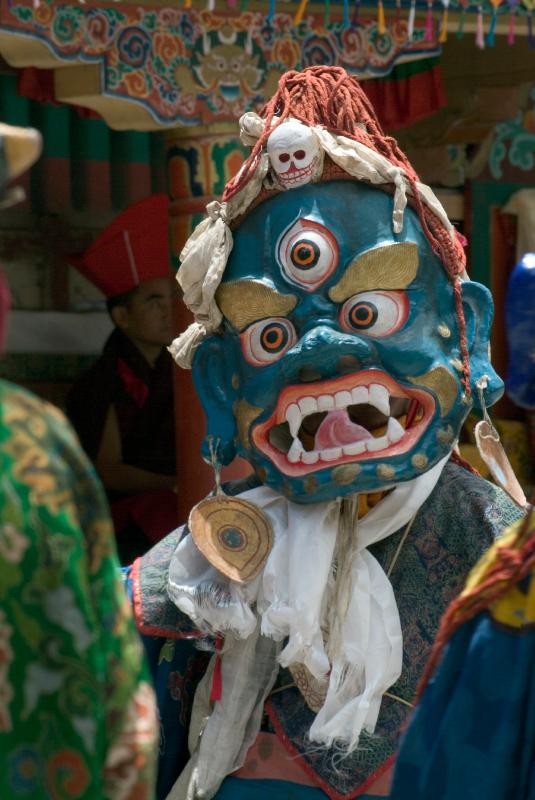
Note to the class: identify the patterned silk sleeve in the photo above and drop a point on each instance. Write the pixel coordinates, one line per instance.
(472, 735)
(77, 713)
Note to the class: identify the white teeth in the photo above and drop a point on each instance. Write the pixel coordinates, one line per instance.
(308, 405)
(293, 418)
(394, 430)
(294, 453)
(376, 395)
(331, 454)
(380, 398)
(325, 402)
(359, 395)
(342, 399)
(354, 449)
(372, 445)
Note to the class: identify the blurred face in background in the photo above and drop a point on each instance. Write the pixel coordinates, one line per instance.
(147, 317)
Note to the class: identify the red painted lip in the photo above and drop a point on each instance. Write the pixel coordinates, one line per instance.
(292, 394)
(293, 173)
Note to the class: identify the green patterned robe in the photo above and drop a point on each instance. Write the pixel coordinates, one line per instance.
(76, 709)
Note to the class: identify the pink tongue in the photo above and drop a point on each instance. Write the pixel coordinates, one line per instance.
(337, 429)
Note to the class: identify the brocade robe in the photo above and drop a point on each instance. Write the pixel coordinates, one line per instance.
(457, 522)
(77, 711)
(472, 734)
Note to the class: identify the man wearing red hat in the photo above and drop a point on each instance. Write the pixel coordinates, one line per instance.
(123, 408)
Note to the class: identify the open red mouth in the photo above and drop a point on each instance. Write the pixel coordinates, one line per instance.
(348, 419)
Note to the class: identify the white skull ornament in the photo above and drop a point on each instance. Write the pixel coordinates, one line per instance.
(294, 153)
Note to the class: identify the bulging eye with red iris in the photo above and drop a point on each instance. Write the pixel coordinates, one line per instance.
(266, 341)
(308, 254)
(375, 313)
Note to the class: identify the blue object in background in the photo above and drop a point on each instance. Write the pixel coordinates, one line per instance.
(520, 329)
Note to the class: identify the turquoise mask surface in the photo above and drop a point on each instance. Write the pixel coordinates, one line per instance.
(337, 368)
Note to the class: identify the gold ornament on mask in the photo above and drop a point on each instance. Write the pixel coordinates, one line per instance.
(492, 452)
(232, 534)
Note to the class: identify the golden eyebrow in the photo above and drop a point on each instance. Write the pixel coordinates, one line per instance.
(245, 302)
(392, 266)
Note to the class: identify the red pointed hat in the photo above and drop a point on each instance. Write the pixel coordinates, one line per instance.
(133, 248)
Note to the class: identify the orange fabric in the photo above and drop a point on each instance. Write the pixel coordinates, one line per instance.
(268, 759)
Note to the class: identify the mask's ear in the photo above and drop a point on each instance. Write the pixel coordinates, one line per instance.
(213, 368)
(478, 311)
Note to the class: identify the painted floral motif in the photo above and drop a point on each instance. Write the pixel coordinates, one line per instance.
(100, 28)
(66, 25)
(190, 67)
(136, 84)
(134, 46)
(514, 140)
(318, 49)
(72, 673)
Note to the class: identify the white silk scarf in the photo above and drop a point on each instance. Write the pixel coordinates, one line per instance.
(342, 624)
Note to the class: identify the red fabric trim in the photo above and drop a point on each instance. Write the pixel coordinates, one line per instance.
(136, 388)
(38, 84)
(402, 102)
(309, 769)
(268, 759)
(386, 765)
(462, 462)
(151, 630)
